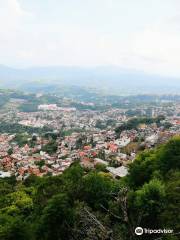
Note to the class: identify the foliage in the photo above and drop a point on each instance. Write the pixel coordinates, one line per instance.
(6, 127)
(50, 147)
(135, 122)
(21, 139)
(91, 205)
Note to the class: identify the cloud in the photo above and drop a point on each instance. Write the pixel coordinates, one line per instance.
(12, 9)
(11, 14)
(158, 49)
(33, 39)
(14, 6)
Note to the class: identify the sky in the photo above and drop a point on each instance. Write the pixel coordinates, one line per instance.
(133, 34)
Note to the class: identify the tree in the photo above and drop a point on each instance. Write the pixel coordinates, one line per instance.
(72, 181)
(169, 155)
(141, 170)
(12, 228)
(40, 163)
(95, 189)
(10, 151)
(17, 203)
(149, 202)
(88, 226)
(50, 147)
(169, 216)
(57, 216)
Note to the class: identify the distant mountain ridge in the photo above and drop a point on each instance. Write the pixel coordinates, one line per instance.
(108, 78)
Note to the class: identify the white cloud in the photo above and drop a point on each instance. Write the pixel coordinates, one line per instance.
(26, 41)
(12, 16)
(158, 49)
(14, 7)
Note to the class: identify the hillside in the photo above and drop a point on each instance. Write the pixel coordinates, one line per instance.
(90, 204)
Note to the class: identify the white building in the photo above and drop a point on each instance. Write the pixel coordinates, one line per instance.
(118, 172)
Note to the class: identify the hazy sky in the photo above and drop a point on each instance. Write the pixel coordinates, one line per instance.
(138, 34)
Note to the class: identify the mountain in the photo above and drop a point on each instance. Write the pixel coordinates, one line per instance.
(107, 78)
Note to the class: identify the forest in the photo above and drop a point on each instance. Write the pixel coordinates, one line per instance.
(89, 204)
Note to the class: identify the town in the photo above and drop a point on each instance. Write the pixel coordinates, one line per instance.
(49, 138)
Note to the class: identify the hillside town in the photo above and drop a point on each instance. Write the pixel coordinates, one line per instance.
(108, 138)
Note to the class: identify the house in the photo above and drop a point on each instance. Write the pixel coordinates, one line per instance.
(4, 174)
(118, 172)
